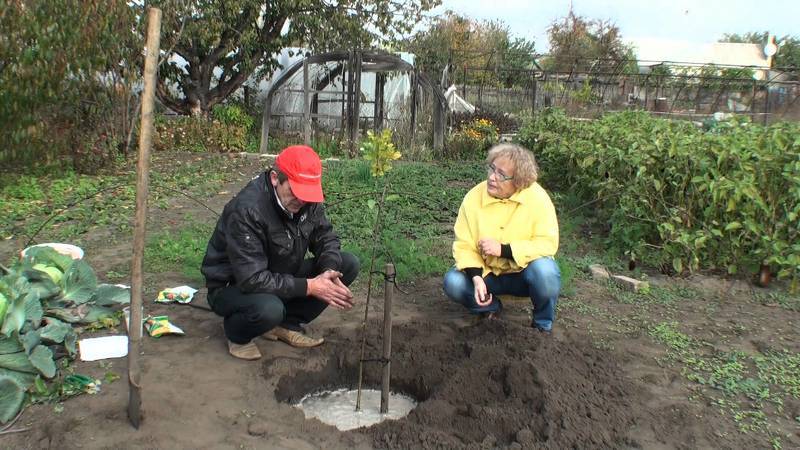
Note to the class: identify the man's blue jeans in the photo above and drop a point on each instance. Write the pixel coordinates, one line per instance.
(541, 281)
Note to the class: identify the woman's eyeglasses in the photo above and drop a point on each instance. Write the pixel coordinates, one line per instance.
(491, 169)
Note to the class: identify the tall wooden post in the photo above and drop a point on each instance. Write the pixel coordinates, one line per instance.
(414, 86)
(388, 293)
(267, 116)
(438, 126)
(351, 102)
(375, 106)
(357, 97)
(306, 105)
(142, 182)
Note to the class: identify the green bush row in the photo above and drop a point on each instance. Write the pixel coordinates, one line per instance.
(678, 197)
(227, 131)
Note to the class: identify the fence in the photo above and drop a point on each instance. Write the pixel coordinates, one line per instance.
(693, 93)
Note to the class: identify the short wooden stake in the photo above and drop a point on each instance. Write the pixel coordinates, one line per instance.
(388, 292)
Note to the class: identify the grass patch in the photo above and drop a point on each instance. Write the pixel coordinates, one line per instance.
(178, 250)
(417, 217)
(83, 202)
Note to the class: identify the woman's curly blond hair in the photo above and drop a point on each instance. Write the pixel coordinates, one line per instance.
(526, 171)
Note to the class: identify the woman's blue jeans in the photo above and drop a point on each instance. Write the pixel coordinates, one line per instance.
(541, 281)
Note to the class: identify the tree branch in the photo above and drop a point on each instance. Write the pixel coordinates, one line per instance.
(224, 89)
(230, 36)
(163, 94)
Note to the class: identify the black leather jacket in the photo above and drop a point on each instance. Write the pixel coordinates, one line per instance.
(258, 247)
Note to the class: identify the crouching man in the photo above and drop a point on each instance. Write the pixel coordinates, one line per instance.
(256, 272)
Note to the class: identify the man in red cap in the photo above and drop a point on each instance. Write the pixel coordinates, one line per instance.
(255, 268)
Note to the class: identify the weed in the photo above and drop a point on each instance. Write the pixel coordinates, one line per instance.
(782, 299)
(672, 295)
(781, 369)
(668, 334)
(112, 275)
(579, 307)
(567, 269)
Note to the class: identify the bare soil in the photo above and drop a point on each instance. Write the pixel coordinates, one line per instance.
(598, 382)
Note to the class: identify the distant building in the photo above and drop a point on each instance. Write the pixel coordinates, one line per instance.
(675, 53)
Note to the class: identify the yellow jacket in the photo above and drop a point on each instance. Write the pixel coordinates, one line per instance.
(526, 220)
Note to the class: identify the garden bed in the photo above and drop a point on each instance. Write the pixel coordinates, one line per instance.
(672, 368)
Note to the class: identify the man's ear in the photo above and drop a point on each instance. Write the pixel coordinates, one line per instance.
(273, 178)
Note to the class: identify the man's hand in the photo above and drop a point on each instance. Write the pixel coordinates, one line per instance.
(489, 247)
(329, 288)
(482, 297)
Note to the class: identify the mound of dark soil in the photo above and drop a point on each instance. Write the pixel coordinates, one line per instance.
(494, 384)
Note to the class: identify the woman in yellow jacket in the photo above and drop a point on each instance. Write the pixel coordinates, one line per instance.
(506, 237)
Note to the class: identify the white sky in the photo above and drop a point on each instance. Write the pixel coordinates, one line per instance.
(698, 21)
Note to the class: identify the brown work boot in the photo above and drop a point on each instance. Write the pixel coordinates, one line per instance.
(247, 351)
(293, 338)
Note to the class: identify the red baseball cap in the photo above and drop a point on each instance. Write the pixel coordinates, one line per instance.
(302, 166)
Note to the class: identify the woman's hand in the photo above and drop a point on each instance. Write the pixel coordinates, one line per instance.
(482, 296)
(489, 247)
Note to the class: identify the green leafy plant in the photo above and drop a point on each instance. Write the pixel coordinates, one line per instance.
(40, 296)
(379, 150)
(679, 198)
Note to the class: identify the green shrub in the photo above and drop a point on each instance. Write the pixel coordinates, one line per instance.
(195, 134)
(233, 115)
(64, 90)
(677, 197)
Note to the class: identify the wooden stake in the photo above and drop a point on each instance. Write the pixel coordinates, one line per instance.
(375, 232)
(388, 292)
(142, 182)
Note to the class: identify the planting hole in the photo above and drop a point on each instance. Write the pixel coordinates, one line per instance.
(337, 407)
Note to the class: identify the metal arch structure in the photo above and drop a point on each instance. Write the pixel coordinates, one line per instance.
(351, 65)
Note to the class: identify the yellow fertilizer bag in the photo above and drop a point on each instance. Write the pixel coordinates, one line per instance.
(158, 326)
